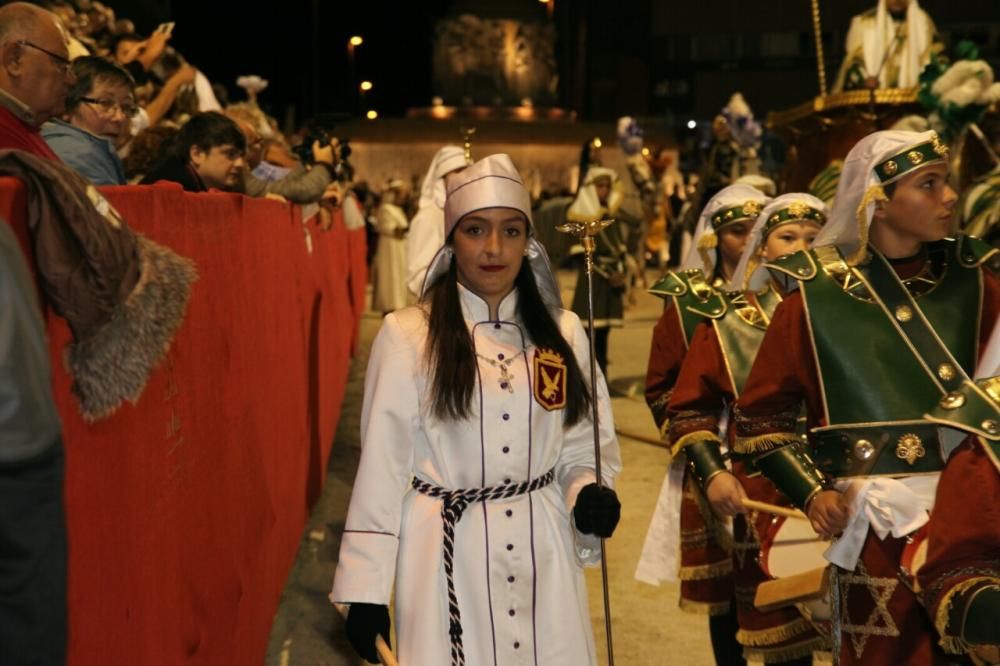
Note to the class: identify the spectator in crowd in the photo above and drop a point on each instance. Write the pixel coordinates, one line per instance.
(33, 613)
(99, 107)
(138, 55)
(207, 154)
(298, 184)
(35, 75)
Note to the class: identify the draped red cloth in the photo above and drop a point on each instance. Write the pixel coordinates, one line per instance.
(185, 511)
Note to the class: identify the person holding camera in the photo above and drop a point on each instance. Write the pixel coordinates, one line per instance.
(299, 184)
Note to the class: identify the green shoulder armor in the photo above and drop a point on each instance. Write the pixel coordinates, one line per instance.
(802, 265)
(973, 251)
(695, 297)
(713, 307)
(670, 284)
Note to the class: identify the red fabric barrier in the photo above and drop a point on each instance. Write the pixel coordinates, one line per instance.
(185, 511)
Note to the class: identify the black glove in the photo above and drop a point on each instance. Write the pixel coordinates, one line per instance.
(364, 623)
(597, 510)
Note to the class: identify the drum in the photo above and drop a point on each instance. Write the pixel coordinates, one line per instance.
(792, 554)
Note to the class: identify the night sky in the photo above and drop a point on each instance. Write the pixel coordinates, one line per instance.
(666, 59)
(229, 38)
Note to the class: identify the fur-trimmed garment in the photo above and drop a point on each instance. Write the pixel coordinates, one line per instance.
(123, 295)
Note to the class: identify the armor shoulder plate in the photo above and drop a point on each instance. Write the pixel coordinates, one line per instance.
(973, 251)
(713, 304)
(670, 284)
(801, 265)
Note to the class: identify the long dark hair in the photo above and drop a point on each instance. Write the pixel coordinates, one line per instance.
(452, 359)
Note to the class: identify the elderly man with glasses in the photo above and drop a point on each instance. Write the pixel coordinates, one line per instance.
(99, 109)
(35, 75)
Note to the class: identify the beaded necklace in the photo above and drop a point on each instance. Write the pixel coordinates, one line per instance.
(503, 365)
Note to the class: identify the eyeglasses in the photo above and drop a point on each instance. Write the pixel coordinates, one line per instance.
(62, 63)
(108, 106)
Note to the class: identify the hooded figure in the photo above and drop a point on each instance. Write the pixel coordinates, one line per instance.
(427, 227)
(887, 47)
(390, 255)
(600, 197)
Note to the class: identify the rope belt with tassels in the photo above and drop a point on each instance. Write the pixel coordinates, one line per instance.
(455, 502)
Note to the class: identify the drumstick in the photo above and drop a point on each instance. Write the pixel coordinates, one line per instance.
(774, 508)
(385, 655)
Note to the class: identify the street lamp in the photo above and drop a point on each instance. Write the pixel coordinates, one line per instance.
(366, 86)
(352, 43)
(372, 114)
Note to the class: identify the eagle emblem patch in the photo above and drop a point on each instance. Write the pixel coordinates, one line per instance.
(550, 379)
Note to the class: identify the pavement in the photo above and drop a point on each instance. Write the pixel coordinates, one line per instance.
(648, 628)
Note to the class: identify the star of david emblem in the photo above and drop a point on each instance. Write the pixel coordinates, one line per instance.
(879, 622)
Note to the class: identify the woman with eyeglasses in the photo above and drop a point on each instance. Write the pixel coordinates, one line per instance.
(99, 109)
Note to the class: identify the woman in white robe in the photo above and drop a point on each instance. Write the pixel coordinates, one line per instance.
(518, 577)
(389, 292)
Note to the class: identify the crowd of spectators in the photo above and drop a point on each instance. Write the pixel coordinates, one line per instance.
(79, 84)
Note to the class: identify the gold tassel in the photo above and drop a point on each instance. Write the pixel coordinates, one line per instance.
(787, 653)
(692, 437)
(773, 635)
(706, 571)
(953, 644)
(708, 241)
(710, 608)
(762, 443)
(874, 193)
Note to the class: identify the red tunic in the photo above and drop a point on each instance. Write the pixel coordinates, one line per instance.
(19, 135)
(702, 394)
(963, 551)
(875, 628)
(666, 354)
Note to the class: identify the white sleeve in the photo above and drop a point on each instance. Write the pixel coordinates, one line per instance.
(576, 461)
(367, 565)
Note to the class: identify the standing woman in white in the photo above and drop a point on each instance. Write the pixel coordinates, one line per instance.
(476, 491)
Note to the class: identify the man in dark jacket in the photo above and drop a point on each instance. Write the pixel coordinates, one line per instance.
(32, 520)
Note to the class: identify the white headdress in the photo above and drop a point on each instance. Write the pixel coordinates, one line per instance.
(877, 160)
(736, 203)
(446, 160)
(587, 206)
(791, 207)
(879, 42)
(492, 182)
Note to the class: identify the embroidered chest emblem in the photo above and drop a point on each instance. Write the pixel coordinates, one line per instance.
(549, 379)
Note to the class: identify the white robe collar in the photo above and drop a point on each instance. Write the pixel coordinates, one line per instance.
(475, 309)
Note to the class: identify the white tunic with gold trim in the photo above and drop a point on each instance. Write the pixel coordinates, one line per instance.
(518, 562)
